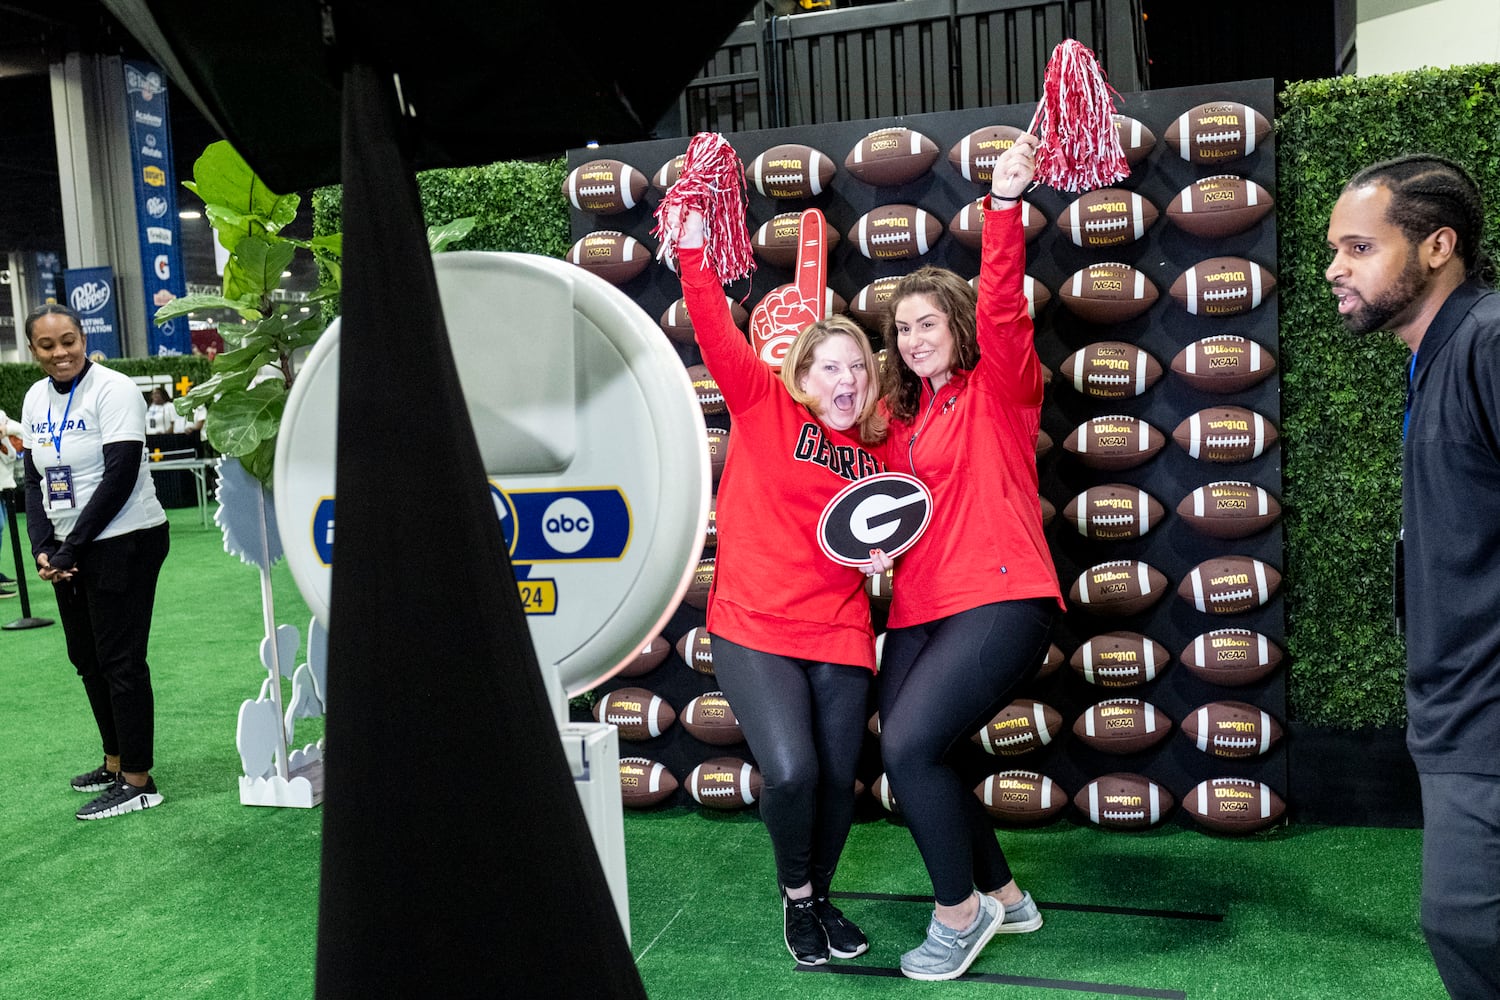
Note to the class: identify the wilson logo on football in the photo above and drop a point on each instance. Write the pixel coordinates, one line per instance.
(888, 511)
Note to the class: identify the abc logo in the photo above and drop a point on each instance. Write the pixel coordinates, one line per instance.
(567, 524)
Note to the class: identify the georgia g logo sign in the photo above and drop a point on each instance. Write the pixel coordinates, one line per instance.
(888, 511)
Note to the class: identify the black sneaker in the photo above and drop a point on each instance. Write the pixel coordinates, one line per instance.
(805, 938)
(122, 797)
(96, 780)
(845, 939)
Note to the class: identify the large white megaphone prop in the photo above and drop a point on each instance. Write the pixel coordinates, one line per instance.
(594, 447)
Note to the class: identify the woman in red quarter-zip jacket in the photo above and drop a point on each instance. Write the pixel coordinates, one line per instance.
(793, 646)
(974, 600)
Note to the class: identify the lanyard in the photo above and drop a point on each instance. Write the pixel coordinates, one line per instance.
(58, 433)
(1411, 391)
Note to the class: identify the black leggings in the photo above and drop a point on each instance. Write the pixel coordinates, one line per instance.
(939, 683)
(805, 723)
(106, 617)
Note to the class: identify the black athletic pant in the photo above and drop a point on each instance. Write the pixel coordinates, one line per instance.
(1461, 881)
(106, 617)
(805, 723)
(939, 683)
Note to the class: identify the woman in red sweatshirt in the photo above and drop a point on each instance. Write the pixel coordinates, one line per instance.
(793, 647)
(974, 600)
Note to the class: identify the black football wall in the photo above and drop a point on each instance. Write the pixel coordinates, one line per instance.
(1174, 547)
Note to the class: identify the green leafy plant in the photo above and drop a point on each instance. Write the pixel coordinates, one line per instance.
(245, 396)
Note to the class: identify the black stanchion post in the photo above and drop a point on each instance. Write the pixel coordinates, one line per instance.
(25, 621)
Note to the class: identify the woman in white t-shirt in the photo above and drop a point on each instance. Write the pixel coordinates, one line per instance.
(161, 416)
(99, 536)
(8, 457)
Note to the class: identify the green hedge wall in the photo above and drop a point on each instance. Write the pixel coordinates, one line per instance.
(15, 379)
(1342, 396)
(518, 205)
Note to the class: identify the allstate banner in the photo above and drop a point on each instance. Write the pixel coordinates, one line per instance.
(91, 294)
(155, 187)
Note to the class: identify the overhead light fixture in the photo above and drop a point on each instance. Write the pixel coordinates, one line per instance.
(190, 213)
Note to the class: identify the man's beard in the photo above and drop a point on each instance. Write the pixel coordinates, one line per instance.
(1377, 313)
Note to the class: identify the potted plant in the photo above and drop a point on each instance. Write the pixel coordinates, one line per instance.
(246, 394)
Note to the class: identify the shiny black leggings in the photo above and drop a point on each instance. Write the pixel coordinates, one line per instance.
(939, 683)
(805, 723)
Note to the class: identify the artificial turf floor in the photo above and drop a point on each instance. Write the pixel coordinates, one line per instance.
(204, 897)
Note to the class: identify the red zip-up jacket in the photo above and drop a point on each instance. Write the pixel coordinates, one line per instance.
(774, 590)
(973, 442)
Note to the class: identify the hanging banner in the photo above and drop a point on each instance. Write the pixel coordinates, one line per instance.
(155, 186)
(91, 294)
(48, 269)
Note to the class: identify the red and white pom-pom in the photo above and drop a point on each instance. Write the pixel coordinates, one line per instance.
(713, 182)
(1079, 146)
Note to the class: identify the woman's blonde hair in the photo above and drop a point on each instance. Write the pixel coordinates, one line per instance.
(799, 359)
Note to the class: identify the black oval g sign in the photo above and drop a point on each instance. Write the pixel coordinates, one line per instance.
(887, 511)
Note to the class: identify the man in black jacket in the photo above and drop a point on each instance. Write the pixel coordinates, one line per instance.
(1405, 238)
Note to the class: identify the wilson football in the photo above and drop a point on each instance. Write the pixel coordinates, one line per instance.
(1118, 587)
(891, 156)
(1020, 727)
(1122, 725)
(725, 783)
(710, 399)
(1136, 140)
(1052, 659)
(605, 187)
(696, 648)
(895, 232)
(1108, 293)
(717, 442)
(1022, 798)
(1231, 729)
(1222, 286)
(1113, 512)
(1124, 801)
(1120, 659)
(975, 154)
(1223, 363)
(611, 255)
(967, 224)
(644, 782)
(1111, 369)
(1225, 434)
(1229, 509)
(666, 175)
(1234, 805)
(791, 170)
(1220, 206)
(1217, 132)
(637, 713)
(779, 238)
(1232, 657)
(871, 303)
(1229, 585)
(1107, 217)
(709, 718)
(1114, 442)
